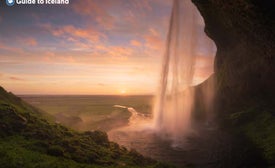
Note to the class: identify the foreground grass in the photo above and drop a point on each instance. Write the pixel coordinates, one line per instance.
(13, 155)
(27, 139)
(257, 123)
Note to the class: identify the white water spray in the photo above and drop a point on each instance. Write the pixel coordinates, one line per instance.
(175, 98)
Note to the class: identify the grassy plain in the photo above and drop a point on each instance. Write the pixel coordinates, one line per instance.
(91, 112)
(28, 140)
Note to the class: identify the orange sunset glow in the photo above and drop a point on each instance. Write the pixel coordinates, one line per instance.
(88, 47)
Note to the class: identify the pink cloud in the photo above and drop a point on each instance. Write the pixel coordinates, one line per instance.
(73, 33)
(16, 78)
(153, 40)
(120, 51)
(135, 43)
(164, 2)
(142, 4)
(113, 53)
(82, 38)
(11, 48)
(30, 41)
(62, 58)
(101, 84)
(117, 53)
(96, 10)
(48, 56)
(103, 12)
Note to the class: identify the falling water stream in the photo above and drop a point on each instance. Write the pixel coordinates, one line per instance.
(176, 96)
(163, 136)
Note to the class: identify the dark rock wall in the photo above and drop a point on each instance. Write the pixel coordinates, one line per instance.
(244, 103)
(244, 32)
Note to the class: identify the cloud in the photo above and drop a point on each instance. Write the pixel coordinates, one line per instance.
(106, 39)
(120, 51)
(153, 40)
(10, 48)
(142, 4)
(51, 57)
(114, 53)
(163, 2)
(29, 41)
(96, 10)
(135, 43)
(75, 38)
(110, 14)
(73, 33)
(16, 78)
(101, 84)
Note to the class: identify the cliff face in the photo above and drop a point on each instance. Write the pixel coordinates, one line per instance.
(244, 32)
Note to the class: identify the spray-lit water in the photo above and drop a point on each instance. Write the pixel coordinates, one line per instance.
(175, 98)
(163, 136)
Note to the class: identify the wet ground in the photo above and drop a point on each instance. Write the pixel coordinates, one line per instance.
(205, 147)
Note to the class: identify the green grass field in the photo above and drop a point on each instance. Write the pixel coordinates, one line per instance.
(29, 140)
(91, 112)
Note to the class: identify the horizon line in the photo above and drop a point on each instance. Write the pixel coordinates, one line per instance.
(85, 95)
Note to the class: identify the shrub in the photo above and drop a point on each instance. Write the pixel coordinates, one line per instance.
(55, 151)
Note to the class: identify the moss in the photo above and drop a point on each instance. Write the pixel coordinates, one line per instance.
(13, 155)
(55, 150)
(27, 139)
(258, 125)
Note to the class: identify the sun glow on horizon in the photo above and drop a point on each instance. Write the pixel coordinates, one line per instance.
(123, 92)
(86, 53)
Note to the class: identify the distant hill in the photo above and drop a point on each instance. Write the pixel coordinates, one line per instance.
(27, 139)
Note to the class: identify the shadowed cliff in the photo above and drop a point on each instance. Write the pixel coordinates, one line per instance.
(244, 33)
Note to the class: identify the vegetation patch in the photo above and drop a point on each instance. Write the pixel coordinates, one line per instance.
(258, 125)
(27, 139)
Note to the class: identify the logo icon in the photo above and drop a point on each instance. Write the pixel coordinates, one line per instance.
(10, 2)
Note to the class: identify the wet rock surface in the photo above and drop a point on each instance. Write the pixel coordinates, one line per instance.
(244, 32)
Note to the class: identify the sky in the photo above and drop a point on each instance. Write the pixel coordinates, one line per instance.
(103, 47)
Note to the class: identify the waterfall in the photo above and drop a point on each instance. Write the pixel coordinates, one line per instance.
(184, 43)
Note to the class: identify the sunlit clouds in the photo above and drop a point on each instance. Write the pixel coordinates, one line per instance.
(87, 47)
